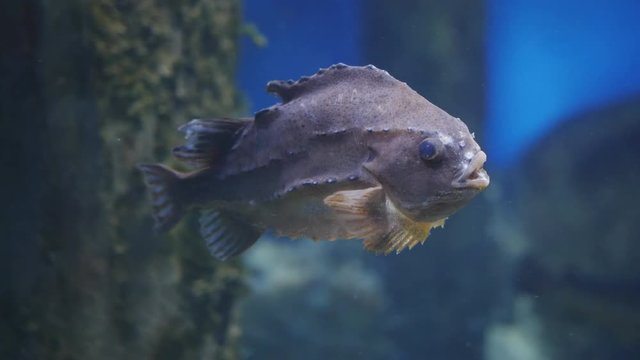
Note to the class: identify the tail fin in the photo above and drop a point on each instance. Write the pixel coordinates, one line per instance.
(208, 140)
(163, 185)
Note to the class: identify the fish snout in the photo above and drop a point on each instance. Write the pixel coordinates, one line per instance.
(473, 175)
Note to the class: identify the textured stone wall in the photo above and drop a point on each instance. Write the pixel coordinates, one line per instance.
(110, 82)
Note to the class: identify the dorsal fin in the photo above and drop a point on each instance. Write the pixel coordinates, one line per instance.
(288, 90)
(208, 140)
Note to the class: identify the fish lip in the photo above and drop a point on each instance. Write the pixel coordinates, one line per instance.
(473, 176)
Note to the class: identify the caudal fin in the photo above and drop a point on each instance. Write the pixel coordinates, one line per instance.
(163, 184)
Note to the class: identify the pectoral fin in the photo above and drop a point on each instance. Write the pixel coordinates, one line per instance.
(402, 232)
(367, 214)
(360, 211)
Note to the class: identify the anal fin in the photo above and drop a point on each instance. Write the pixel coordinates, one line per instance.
(225, 235)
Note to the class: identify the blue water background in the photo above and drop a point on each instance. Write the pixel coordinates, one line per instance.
(306, 36)
(546, 61)
(550, 60)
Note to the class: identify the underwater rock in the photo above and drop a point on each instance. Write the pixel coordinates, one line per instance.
(100, 85)
(320, 302)
(572, 206)
(443, 299)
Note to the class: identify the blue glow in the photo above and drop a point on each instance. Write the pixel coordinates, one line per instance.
(303, 36)
(552, 59)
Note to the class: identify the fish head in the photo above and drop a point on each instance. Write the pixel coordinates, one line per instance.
(429, 174)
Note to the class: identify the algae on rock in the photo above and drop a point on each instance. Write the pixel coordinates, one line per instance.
(115, 79)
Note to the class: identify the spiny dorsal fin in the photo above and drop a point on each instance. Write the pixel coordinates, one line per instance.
(208, 140)
(287, 90)
(225, 235)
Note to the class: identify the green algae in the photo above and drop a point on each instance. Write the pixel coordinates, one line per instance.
(118, 78)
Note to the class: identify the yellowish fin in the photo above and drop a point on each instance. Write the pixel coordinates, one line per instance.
(402, 232)
(368, 215)
(361, 211)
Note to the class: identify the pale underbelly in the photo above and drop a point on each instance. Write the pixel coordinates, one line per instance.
(297, 217)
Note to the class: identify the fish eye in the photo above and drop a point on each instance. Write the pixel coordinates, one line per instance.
(430, 149)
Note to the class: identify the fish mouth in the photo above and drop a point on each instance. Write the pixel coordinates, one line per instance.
(474, 176)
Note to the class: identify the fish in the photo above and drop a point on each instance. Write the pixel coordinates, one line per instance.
(349, 152)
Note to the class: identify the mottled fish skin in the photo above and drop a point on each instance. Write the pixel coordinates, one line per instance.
(321, 130)
(339, 157)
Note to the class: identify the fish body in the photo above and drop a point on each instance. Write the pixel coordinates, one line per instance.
(349, 153)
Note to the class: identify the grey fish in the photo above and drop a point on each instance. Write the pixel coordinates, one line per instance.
(349, 153)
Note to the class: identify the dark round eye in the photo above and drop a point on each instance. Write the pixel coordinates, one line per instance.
(430, 149)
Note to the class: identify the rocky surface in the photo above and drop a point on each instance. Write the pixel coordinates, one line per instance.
(567, 215)
(89, 90)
